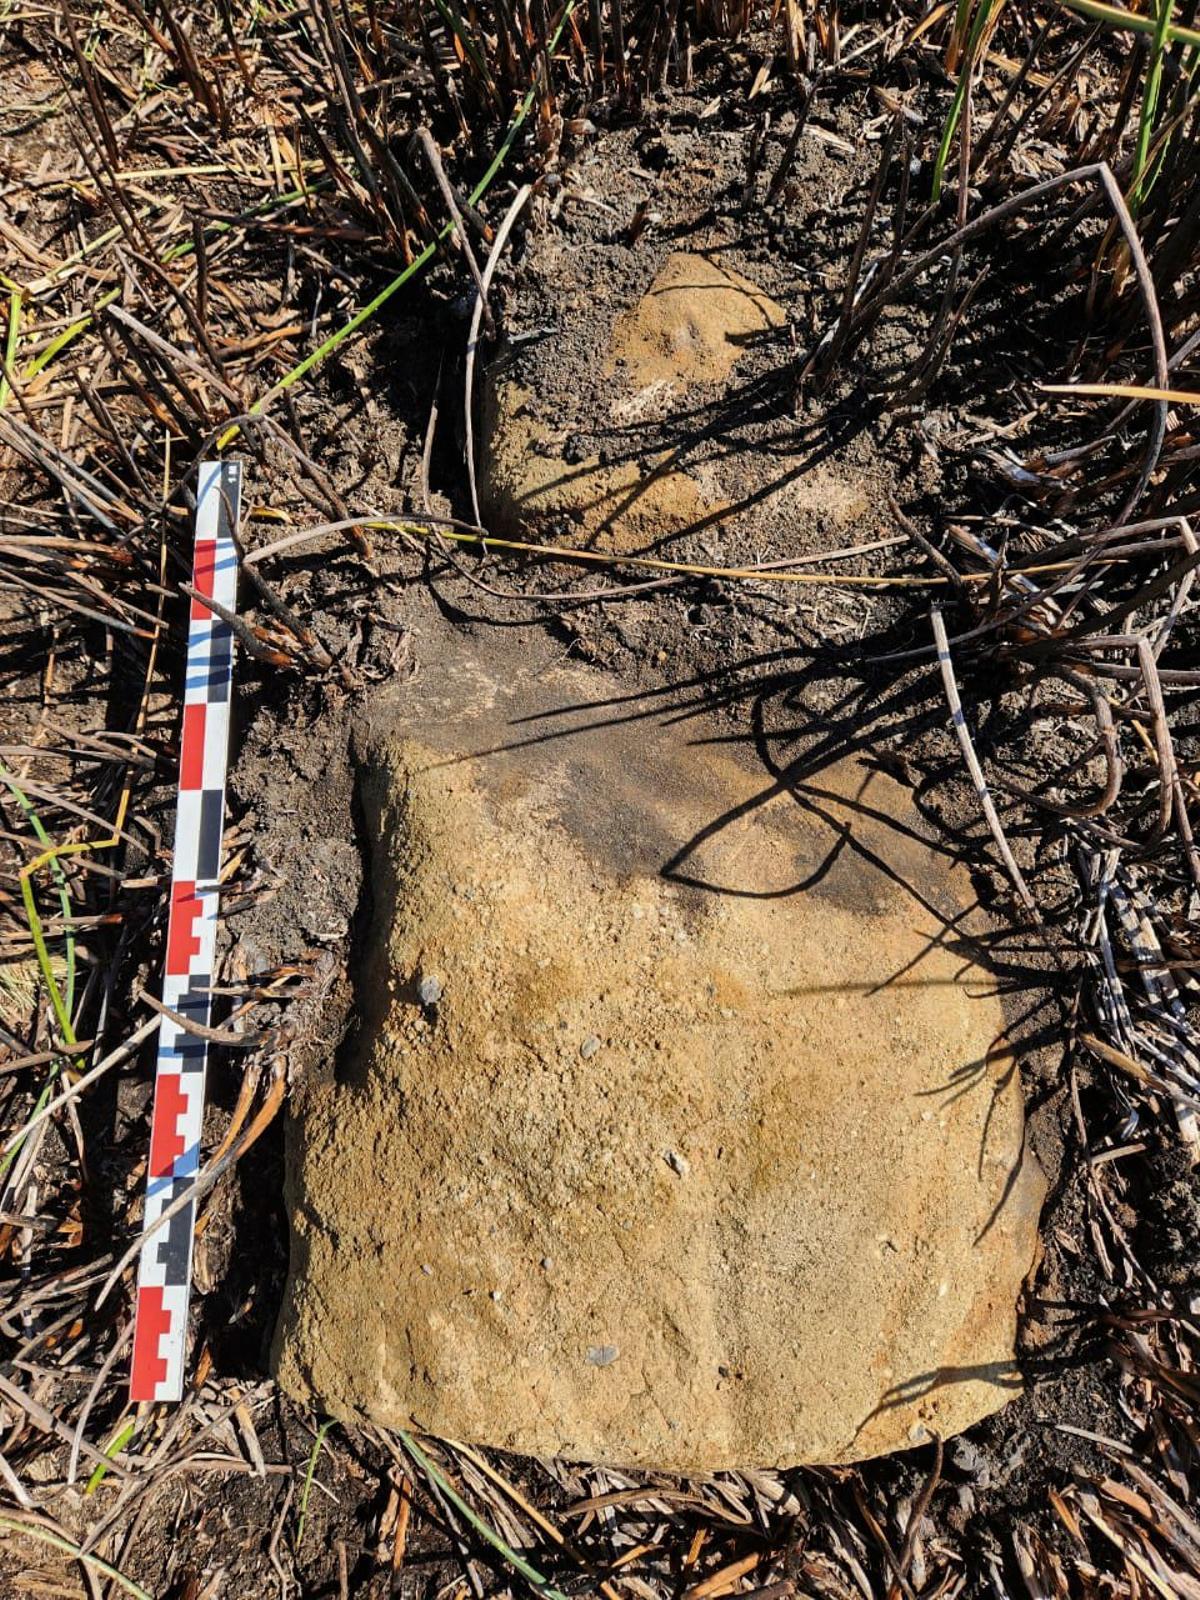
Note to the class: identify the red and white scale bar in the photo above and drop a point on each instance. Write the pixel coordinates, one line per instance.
(165, 1269)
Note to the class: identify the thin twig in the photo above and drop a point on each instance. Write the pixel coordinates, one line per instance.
(480, 313)
(973, 767)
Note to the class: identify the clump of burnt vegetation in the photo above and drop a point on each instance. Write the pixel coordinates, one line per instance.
(209, 215)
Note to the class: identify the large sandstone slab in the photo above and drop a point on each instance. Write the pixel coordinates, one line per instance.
(681, 1131)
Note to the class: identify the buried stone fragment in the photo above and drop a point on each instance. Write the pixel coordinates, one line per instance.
(658, 428)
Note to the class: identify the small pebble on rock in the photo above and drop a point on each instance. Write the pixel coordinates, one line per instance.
(430, 990)
(589, 1047)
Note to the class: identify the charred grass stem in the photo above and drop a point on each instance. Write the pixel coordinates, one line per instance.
(367, 312)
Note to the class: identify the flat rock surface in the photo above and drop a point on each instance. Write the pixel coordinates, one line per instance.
(691, 325)
(681, 1129)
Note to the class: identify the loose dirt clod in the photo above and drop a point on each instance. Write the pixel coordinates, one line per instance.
(725, 1061)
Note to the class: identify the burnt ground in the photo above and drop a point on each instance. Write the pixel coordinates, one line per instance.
(796, 676)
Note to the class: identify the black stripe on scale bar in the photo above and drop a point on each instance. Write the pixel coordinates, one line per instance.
(174, 1242)
(188, 1049)
(219, 665)
(229, 493)
(196, 1005)
(208, 845)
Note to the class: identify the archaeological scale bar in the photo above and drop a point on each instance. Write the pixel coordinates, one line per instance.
(165, 1266)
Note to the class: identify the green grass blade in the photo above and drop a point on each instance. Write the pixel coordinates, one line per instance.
(1118, 17)
(34, 1530)
(1140, 187)
(335, 340)
(959, 34)
(62, 1005)
(983, 15)
(308, 1478)
(117, 1443)
(517, 1562)
(60, 342)
(10, 345)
